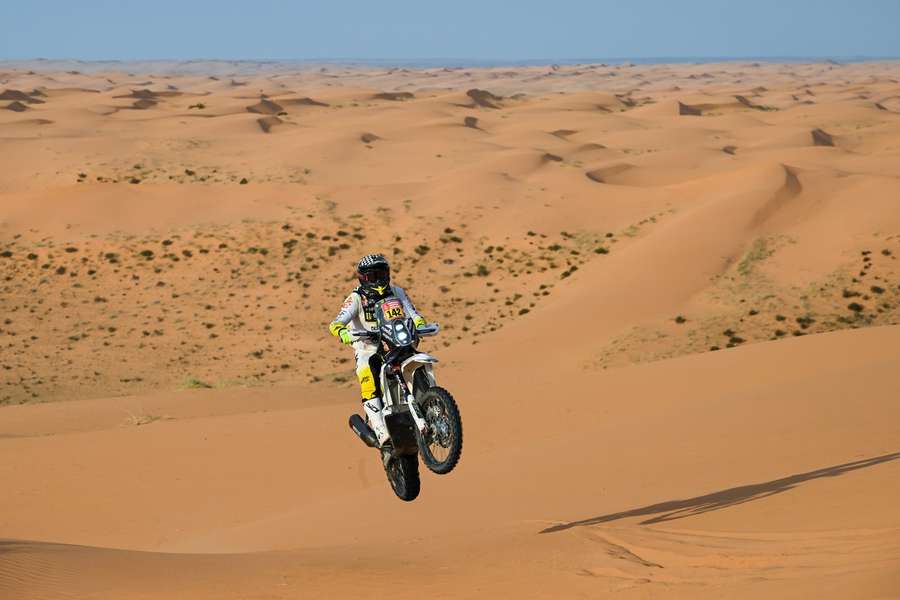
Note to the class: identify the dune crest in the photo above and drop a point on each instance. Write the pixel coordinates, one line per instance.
(394, 96)
(821, 138)
(688, 110)
(563, 133)
(790, 189)
(143, 104)
(305, 101)
(19, 96)
(16, 106)
(265, 107)
(267, 124)
(484, 98)
(604, 174)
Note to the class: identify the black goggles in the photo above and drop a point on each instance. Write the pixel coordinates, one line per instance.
(376, 275)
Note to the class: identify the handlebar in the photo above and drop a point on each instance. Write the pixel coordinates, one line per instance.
(362, 334)
(427, 330)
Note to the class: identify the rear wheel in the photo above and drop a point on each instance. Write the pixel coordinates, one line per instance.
(403, 474)
(441, 446)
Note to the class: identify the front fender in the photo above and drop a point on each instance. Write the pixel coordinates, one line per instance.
(419, 360)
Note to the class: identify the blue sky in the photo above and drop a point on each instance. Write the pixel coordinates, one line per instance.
(486, 29)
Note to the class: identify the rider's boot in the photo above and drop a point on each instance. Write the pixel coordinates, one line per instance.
(376, 419)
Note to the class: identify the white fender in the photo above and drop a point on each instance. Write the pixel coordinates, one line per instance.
(416, 361)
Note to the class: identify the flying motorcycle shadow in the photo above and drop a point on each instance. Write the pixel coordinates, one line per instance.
(679, 509)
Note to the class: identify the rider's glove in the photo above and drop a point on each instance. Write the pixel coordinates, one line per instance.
(419, 322)
(345, 336)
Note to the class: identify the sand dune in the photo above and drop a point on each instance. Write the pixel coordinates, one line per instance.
(16, 106)
(301, 102)
(146, 94)
(717, 511)
(265, 107)
(563, 133)
(20, 96)
(821, 138)
(670, 300)
(691, 111)
(603, 175)
(393, 96)
(484, 98)
(269, 123)
(143, 104)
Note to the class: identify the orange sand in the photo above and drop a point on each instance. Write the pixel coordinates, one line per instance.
(172, 248)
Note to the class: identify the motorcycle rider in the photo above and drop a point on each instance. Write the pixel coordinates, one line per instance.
(358, 312)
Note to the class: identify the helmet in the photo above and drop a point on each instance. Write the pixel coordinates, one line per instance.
(374, 275)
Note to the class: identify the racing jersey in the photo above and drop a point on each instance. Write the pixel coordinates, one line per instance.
(358, 312)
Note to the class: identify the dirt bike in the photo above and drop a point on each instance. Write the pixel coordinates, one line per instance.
(421, 418)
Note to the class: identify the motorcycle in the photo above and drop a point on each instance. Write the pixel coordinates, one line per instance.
(421, 417)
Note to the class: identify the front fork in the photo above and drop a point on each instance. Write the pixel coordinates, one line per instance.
(402, 388)
(421, 424)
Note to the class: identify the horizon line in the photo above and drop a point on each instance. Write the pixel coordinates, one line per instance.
(494, 60)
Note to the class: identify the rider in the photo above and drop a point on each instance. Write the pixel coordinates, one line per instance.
(358, 312)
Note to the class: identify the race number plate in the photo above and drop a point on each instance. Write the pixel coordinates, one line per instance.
(392, 309)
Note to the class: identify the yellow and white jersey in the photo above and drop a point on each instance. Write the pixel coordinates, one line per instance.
(357, 312)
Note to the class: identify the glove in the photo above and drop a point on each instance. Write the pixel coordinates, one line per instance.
(419, 322)
(345, 336)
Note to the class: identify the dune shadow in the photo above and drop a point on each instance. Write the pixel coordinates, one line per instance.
(13, 546)
(678, 509)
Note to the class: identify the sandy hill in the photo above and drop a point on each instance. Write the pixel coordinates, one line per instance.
(670, 305)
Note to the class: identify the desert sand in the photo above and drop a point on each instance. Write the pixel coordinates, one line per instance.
(670, 301)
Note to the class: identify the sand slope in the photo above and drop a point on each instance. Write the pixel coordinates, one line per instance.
(759, 477)
(670, 305)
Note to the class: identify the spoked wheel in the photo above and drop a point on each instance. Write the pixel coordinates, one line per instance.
(441, 445)
(403, 473)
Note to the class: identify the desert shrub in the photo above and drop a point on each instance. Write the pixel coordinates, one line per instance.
(758, 251)
(194, 383)
(805, 321)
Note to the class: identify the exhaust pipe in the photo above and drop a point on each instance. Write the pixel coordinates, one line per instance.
(364, 432)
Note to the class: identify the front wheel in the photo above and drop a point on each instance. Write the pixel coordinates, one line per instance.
(441, 445)
(403, 473)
